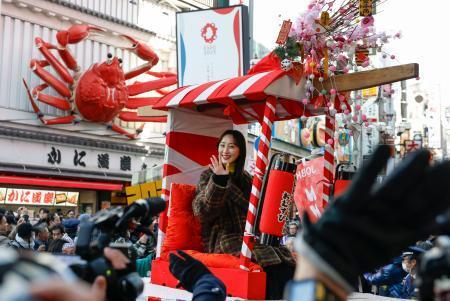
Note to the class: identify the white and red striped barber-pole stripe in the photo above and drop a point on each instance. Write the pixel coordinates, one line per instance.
(328, 166)
(260, 169)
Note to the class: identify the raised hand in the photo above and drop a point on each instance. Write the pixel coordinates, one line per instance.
(217, 166)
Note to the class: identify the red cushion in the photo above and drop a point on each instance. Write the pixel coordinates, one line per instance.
(221, 260)
(183, 228)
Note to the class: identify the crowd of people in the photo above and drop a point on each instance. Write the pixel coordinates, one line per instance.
(360, 242)
(394, 280)
(57, 233)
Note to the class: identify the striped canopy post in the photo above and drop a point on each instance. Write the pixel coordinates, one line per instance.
(328, 167)
(260, 169)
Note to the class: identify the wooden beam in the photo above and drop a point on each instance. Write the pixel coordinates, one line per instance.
(371, 78)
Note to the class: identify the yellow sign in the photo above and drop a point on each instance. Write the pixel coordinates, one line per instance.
(365, 8)
(142, 191)
(369, 92)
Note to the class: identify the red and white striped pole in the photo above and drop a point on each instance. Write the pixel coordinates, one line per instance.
(328, 167)
(260, 169)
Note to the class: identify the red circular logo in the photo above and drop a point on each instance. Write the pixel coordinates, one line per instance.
(209, 32)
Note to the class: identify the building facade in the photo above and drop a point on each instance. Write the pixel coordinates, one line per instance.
(83, 164)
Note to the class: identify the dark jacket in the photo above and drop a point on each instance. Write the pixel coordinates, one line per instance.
(409, 288)
(222, 211)
(209, 288)
(388, 279)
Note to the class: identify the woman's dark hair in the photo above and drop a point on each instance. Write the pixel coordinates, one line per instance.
(241, 144)
(57, 227)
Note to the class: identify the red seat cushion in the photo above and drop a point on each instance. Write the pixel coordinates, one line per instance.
(221, 260)
(183, 228)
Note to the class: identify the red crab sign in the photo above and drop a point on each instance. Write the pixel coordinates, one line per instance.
(100, 93)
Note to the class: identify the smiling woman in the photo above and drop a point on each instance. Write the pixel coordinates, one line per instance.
(221, 204)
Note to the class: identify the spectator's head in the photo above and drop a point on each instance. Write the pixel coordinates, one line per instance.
(57, 231)
(293, 228)
(54, 219)
(25, 231)
(11, 219)
(411, 257)
(3, 210)
(84, 218)
(5, 228)
(43, 214)
(71, 226)
(42, 232)
(71, 213)
(22, 211)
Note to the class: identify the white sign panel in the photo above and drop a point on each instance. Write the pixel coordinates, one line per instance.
(18, 196)
(70, 157)
(211, 45)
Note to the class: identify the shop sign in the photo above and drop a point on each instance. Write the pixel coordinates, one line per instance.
(288, 131)
(73, 158)
(142, 191)
(2, 195)
(18, 196)
(370, 92)
(412, 145)
(66, 198)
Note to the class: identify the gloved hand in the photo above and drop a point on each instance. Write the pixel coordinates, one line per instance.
(186, 269)
(370, 224)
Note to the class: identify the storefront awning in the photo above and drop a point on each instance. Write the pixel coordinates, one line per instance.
(30, 181)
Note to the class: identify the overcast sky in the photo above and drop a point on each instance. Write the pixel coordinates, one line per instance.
(424, 25)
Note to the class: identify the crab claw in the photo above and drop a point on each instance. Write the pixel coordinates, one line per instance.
(75, 34)
(142, 50)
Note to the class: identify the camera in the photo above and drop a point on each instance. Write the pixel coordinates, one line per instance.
(102, 230)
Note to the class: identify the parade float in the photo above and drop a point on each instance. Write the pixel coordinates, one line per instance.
(319, 60)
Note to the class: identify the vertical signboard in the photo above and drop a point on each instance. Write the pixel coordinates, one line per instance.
(212, 44)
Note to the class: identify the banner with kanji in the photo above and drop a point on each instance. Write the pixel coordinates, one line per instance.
(308, 188)
(18, 196)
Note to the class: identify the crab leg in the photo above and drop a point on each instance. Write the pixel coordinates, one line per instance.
(137, 102)
(138, 87)
(57, 120)
(133, 117)
(162, 75)
(44, 48)
(145, 53)
(57, 102)
(73, 35)
(58, 85)
(122, 131)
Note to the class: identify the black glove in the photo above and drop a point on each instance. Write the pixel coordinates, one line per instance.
(370, 224)
(186, 269)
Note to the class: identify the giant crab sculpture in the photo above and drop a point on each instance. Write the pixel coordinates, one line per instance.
(100, 93)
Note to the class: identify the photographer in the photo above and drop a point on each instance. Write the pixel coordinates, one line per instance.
(58, 285)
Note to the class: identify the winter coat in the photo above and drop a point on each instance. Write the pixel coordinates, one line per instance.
(4, 240)
(222, 211)
(20, 244)
(409, 288)
(388, 279)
